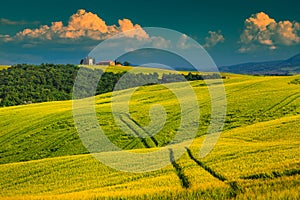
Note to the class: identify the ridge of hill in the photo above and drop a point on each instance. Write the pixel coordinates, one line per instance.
(289, 66)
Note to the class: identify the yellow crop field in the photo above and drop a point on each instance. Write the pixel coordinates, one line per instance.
(256, 156)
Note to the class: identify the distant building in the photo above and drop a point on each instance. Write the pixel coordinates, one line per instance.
(107, 63)
(88, 61)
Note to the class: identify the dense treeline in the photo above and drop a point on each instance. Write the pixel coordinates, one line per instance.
(24, 84)
(21, 84)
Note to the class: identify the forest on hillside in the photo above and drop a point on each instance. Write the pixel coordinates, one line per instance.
(25, 84)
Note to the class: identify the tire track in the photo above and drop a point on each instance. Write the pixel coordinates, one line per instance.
(235, 187)
(179, 171)
(228, 94)
(132, 142)
(137, 125)
(36, 125)
(137, 133)
(295, 95)
(287, 103)
(205, 167)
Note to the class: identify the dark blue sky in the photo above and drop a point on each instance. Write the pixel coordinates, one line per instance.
(277, 40)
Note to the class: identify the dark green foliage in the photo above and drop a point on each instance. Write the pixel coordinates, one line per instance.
(118, 63)
(25, 84)
(126, 63)
(22, 84)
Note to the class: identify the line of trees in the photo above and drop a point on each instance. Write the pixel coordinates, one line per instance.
(23, 83)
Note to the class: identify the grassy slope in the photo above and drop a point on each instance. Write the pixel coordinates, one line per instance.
(255, 151)
(262, 148)
(51, 132)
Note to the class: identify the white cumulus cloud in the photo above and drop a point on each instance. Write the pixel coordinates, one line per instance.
(81, 25)
(263, 31)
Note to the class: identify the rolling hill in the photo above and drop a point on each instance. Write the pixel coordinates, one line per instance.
(42, 157)
(281, 67)
(244, 160)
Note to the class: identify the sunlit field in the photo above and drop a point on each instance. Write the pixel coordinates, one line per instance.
(256, 157)
(4, 67)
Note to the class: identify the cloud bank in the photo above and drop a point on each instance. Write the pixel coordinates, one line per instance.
(81, 25)
(262, 31)
(87, 27)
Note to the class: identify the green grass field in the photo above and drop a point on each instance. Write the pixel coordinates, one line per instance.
(257, 156)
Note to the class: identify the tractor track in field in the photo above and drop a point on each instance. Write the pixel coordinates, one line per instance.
(145, 143)
(137, 124)
(289, 100)
(205, 167)
(282, 103)
(130, 143)
(247, 86)
(243, 88)
(228, 94)
(136, 128)
(234, 186)
(179, 171)
(287, 103)
(35, 126)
